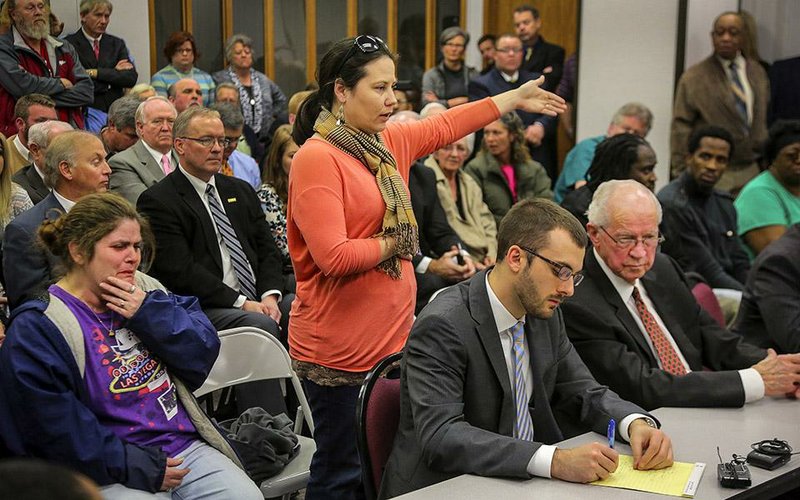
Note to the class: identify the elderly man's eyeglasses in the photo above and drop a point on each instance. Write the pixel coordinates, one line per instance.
(563, 272)
(208, 142)
(629, 242)
(366, 44)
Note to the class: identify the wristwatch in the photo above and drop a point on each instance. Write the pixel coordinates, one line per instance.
(649, 421)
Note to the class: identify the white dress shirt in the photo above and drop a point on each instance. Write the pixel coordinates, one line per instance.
(23, 149)
(228, 273)
(751, 380)
(542, 459)
(65, 203)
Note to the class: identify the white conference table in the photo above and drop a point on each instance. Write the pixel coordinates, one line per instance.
(695, 434)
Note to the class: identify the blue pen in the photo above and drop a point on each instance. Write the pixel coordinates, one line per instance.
(612, 432)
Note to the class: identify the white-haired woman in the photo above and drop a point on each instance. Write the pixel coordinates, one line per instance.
(262, 100)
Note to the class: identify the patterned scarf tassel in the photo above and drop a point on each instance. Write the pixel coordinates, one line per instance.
(407, 237)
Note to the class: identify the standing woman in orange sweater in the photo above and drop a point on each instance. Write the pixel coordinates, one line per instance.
(352, 232)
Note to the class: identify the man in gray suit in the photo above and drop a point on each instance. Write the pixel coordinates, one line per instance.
(151, 158)
(488, 364)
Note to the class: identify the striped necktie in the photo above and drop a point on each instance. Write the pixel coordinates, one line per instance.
(670, 361)
(96, 48)
(739, 97)
(523, 426)
(241, 266)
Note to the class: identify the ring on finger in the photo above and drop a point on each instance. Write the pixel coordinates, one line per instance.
(122, 303)
(133, 289)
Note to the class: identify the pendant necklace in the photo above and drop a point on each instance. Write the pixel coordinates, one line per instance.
(111, 329)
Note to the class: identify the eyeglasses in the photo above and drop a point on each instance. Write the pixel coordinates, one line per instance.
(208, 142)
(563, 272)
(184, 51)
(510, 50)
(454, 45)
(629, 242)
(233, 141)
(367, 44)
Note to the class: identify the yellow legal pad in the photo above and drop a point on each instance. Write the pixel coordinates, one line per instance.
(680, 480)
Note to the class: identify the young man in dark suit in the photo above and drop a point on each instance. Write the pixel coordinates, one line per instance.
(105, 57)
(488, 363)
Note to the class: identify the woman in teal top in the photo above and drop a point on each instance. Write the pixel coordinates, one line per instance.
(770, 203)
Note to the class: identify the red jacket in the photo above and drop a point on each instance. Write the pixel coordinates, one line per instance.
(23, 72)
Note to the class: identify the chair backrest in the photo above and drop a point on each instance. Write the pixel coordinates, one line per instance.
(704, 296)
(377, 419)
(249, 354)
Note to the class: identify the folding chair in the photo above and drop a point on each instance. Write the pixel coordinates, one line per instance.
(250, 354)
(377, 418)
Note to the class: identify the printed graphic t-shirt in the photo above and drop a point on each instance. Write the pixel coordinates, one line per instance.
(129, 389)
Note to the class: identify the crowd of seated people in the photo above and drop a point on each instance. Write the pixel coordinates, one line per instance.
(342, 223)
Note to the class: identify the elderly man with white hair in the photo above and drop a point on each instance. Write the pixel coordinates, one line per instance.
(639, 329)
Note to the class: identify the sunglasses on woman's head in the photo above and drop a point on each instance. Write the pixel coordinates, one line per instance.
(367, 44)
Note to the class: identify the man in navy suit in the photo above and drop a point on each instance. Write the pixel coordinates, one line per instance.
(75, 165)
(104, 56)
(540, 130)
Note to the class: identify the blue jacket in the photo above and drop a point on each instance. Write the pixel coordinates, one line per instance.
(43, 398)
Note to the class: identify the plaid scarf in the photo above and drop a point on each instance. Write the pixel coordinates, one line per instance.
(398, 220)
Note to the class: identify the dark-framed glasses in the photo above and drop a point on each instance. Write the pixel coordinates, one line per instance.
(208, 142)
(562, 271)
(629, 242)
(367, 44)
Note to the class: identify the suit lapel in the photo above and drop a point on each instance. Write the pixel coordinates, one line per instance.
(36, 182)
(658, 294)
(190, 197)
(149, 164)
(490, 339)
(611, 296)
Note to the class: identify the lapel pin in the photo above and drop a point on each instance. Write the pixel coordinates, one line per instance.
(231, 200)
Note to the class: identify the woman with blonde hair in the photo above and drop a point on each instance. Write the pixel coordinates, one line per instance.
(13, 201)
